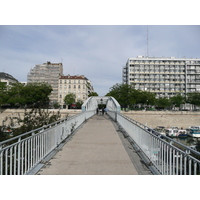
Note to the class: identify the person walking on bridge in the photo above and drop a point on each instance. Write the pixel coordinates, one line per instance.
(103, 111)
(106, 110)
(97, 110)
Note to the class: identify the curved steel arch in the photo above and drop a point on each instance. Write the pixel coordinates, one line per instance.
(92, 103)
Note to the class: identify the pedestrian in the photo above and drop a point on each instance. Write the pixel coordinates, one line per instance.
(97, 111)
(103, 111)
(106, 110)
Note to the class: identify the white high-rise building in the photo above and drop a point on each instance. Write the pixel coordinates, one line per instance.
(166, 77)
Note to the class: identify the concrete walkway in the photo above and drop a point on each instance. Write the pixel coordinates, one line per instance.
(96, 149)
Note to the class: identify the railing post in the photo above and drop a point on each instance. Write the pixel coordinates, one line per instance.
(19, 156)
(116, 116)
(1, 164)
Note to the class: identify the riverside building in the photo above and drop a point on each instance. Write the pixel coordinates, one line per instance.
(79, 85)
(47, 72)
(166, 77)
(7, 79)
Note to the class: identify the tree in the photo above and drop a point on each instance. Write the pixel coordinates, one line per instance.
(32, 119)
(32, 94)
(15, 94)
(70, 98)
(177, 100)
(2, 92)
(37, 94)
(93, 94)
(163, 102)
(146, 98)
(127, 95)
(194, 98)
(124, 94)
(79, 103)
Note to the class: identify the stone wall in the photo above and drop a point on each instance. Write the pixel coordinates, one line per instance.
(152, 119)
(17, 112)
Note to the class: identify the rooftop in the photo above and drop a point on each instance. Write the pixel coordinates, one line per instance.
(162, 58)
(73, 77)
(7, 76)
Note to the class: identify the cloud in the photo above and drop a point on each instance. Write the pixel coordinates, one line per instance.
(98, 52)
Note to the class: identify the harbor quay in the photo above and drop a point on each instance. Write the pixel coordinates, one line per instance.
(151, 119)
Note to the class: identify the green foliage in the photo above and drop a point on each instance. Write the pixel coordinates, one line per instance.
(70, 99)
(177, 100)
(32, 94)
(163, 102)
(37, 93)
(33, 119)
(93, 94)
(194, 98)
(56, 105)
(79, 103)
(123, 93)
(3, 88)
(127, 95)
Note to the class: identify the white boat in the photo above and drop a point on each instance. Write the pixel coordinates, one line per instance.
(194, 131)
(172, 132)
(161, 130)
(182, 133)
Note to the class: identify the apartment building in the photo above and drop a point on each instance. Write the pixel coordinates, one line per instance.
(47, 72)
(79, 85)
(166, 77)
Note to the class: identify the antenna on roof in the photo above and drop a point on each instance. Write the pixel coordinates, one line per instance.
(147, 42)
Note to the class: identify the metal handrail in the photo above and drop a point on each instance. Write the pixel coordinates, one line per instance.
(20, 154)
(163, 153)
(2, 143)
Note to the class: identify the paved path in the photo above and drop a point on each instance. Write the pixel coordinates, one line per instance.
(96, 149)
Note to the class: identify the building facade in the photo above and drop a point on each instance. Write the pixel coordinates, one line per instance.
(47, 72)
(166, 77)
(7, 79)
(79, 85)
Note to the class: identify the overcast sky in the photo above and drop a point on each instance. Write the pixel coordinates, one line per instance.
(96, 51)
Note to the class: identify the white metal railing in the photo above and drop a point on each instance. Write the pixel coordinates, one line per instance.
(21, 154)
(166, 155)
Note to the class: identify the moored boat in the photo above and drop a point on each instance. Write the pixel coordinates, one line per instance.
(161, 130)
(172, 132)
(194, 131)
(182, 133)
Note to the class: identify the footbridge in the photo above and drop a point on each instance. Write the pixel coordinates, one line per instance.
(88, 143)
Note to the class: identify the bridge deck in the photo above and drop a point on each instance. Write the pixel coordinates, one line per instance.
(96, 149)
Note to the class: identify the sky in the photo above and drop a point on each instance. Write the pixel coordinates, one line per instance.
(97, 51)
